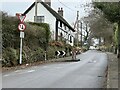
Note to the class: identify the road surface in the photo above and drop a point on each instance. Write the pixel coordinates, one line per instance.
(87, 73)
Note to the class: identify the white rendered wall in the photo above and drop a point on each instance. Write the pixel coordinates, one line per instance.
(42, 11)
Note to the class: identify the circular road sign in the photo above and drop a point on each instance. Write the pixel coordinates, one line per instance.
(21, 27)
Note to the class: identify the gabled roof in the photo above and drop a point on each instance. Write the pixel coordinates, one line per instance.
(54, 13)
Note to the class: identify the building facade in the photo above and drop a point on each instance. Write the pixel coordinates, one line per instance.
(41, 12)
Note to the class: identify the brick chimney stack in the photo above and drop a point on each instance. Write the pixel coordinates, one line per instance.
(60, 11)
(48, 2)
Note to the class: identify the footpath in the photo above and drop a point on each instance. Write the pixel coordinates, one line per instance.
(112, 77)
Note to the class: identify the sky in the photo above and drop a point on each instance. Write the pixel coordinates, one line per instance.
(70, 7)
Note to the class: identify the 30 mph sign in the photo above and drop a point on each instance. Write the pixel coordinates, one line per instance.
(21, 27)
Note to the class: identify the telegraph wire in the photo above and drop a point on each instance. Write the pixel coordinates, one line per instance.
(65, 5)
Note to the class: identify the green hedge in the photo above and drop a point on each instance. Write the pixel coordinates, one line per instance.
(35, 43)
(10, 56)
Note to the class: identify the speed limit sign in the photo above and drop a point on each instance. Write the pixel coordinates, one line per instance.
(21, 27)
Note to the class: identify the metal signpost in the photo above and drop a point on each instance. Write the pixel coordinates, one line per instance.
(21, 28)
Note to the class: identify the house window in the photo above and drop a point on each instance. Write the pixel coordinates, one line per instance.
(65, 27)
(70, 39)
(61, 35)
(40, 19)
(60, 24)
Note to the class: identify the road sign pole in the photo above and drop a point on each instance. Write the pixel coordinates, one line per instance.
(21, 28)
(21, 50)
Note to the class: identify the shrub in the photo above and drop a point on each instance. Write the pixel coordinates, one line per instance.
(37, 55)
(51, 52)
(10, 57)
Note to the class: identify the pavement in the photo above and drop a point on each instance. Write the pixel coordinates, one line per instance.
(89, 72)
(112, 77)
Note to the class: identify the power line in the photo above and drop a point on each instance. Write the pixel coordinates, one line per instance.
(65, 5)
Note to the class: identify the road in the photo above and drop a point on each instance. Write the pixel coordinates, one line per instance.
(87, 73)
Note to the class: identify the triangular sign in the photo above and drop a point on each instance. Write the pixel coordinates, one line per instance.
(21, 17)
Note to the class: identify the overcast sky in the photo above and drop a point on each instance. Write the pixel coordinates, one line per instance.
(70, 7)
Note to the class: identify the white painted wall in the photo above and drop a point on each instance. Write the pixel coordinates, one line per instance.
(66, 36)
(42, 11)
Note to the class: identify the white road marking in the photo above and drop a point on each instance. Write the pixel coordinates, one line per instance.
(20, 73)
(92, 61)
(31, 71)
(6, 75)
(18, 70)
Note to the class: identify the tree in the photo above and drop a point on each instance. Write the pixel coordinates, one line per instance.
(88, 33)
(100, 27)
(111, 11)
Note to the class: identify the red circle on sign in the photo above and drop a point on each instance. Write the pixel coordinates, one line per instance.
(21, 27)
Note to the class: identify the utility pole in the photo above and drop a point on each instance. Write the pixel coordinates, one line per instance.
(77, 28)
(36, 1)
(36, 10)
(81, 34)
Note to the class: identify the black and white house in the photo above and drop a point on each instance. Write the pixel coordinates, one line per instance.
(41, 12)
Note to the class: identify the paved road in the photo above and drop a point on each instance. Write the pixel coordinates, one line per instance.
(87, 73)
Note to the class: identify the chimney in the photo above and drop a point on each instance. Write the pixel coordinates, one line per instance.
(38, 0)
(60, 11)
(48, 2)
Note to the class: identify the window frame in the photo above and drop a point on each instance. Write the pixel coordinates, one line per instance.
(40, 19)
